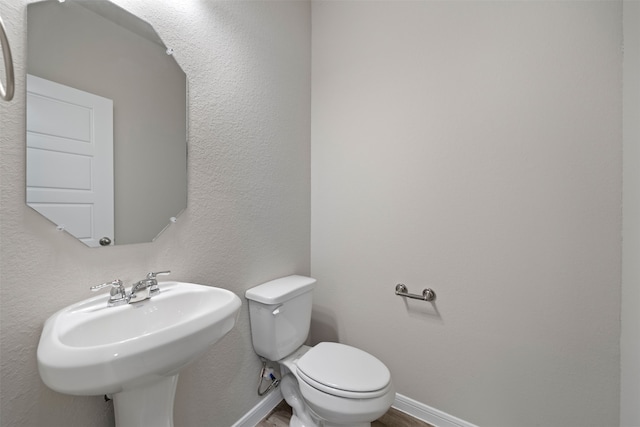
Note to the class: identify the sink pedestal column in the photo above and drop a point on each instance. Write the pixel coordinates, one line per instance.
(147, 405)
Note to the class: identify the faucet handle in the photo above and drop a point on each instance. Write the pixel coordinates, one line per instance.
(153, 286)
(115, 286)
(152, 275)
(117, 295)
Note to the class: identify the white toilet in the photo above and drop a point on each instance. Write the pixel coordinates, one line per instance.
(327, 385)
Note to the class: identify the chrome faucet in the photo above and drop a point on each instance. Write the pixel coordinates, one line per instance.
(140, 291)
(117, 295)
(146, 288)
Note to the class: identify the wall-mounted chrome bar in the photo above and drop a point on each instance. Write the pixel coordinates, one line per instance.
(427, 294)
(6, 93)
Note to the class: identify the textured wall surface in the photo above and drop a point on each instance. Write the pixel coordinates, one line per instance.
(475, 148)
(247, 221)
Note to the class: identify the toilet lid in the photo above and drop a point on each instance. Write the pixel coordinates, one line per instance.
(343, 368)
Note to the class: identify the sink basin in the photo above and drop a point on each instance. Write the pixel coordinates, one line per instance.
(90, 349)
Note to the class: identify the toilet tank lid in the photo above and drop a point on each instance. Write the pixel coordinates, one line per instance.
(280, 290)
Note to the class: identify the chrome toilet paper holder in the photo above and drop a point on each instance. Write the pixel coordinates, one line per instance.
(427, 294)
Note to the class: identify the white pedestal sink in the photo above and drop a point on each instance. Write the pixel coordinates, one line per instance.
(134, 351)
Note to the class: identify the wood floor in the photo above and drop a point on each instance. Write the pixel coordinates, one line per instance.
(280, 416)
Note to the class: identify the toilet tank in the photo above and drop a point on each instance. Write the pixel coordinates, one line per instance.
(280, 315)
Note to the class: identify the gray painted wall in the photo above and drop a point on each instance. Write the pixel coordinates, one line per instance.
(474, 148)
(630, 342)
(247, 221)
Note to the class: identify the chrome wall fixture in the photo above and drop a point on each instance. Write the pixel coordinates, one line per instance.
(427, 294)
(6, 93)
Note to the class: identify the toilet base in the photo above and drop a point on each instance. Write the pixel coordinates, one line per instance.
(291, 393)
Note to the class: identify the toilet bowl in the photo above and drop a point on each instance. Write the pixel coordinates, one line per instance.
(330, 384)
(341, 385)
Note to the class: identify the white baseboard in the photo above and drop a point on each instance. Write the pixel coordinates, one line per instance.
(402, 403)
(261, 410)
(428, 414)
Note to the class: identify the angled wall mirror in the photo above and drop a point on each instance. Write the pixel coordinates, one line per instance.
(106, 123)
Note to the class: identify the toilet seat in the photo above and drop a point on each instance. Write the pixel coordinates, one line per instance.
(344, 371)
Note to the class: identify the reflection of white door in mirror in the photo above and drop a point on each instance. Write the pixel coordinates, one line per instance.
(70, 159)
